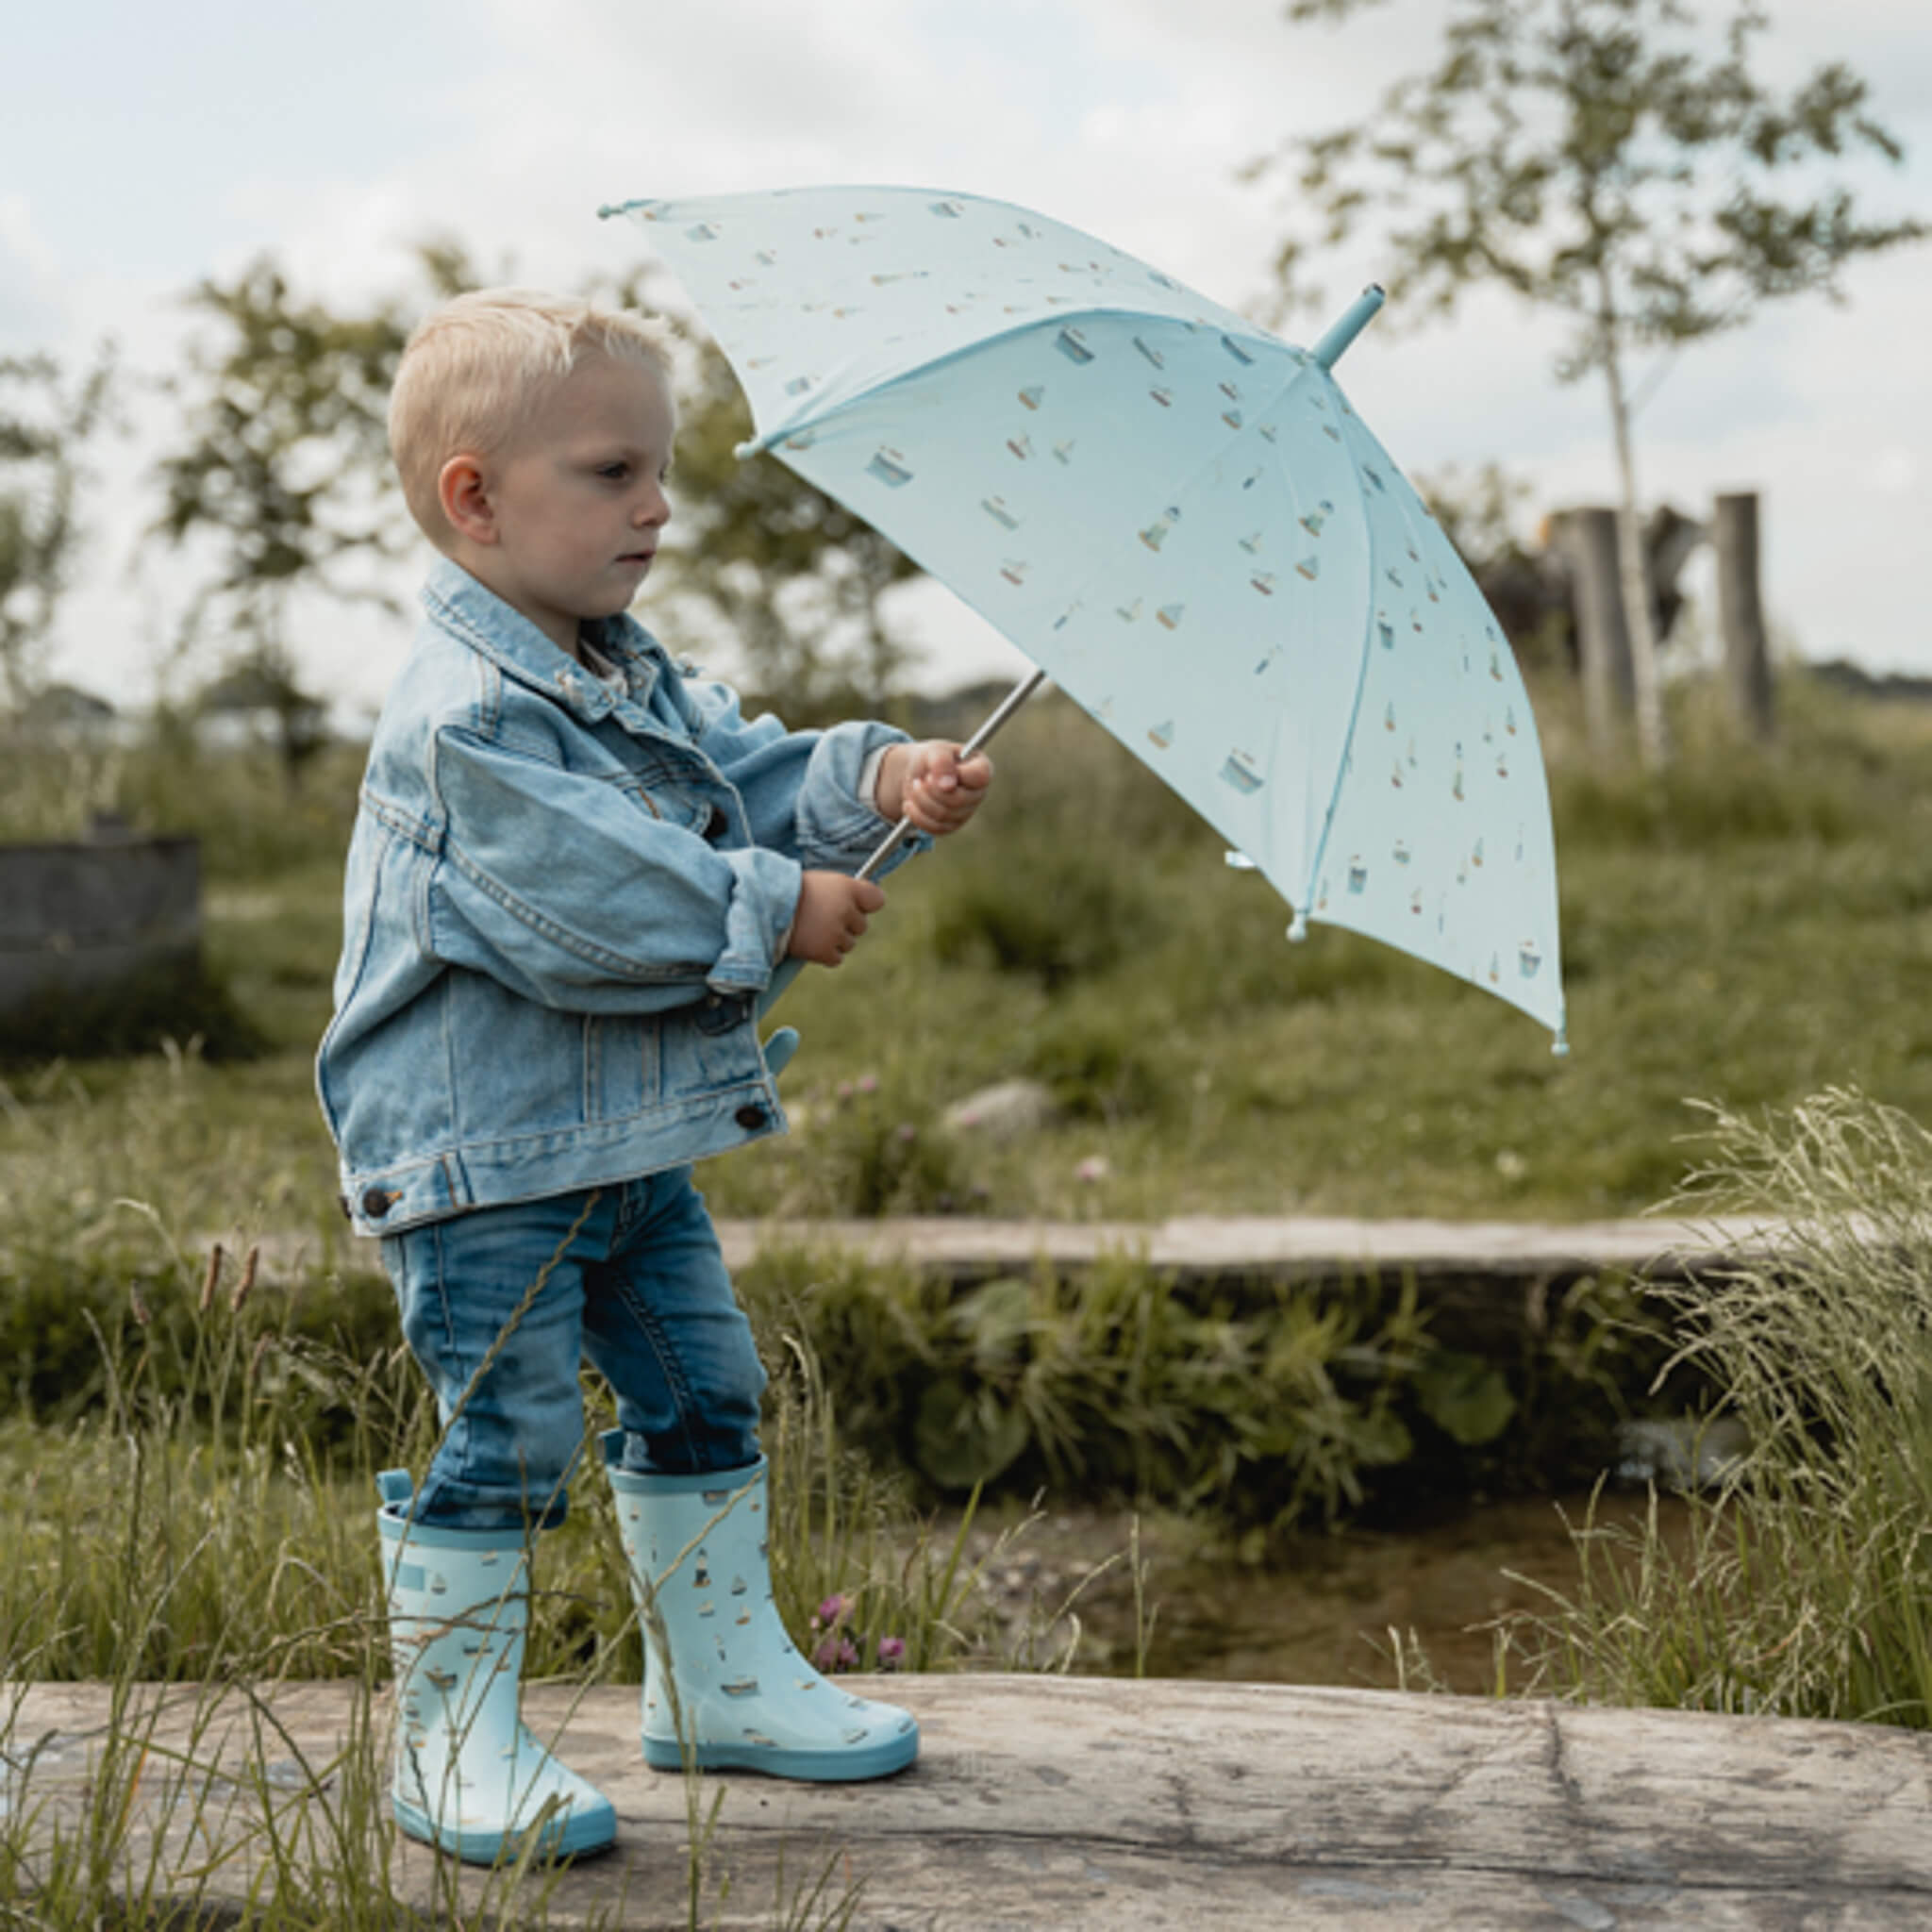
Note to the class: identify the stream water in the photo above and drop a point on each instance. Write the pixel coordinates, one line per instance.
(1322, 1611)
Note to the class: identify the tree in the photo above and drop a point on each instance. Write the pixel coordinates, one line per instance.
(43, 423)
(793, 575)
(286, 468)
(1591, 157)
(286, 472)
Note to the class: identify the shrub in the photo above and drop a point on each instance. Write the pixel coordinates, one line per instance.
(1102, 1062)
(1049, 914)
(868, 1150)
(190, 1003)
(1805, 1585)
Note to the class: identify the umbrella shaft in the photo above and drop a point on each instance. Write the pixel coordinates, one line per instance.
(788, 970)
(1007, 705)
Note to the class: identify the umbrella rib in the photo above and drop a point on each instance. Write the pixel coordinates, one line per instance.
(1300, 371)
(812, 414)
(1299, 929)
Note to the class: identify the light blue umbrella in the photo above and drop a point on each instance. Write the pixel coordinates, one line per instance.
(1181, 520)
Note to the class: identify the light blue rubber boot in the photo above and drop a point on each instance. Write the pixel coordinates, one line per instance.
(470, 1778)
(736, 1684)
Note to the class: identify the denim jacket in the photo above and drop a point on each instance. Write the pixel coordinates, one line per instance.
(560, 906)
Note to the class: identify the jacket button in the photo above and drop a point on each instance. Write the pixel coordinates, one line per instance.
(717, 825)
(376, 1202)
(750, 1115)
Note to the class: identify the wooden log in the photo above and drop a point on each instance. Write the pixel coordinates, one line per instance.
(1209, 1247)
(1089, 1803)
(1485, 1283)
(1740, 615)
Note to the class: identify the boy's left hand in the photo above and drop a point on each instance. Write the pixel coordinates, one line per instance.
(930, 784)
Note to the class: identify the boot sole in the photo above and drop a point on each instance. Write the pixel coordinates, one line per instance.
(569, 1836)
(810, 1767)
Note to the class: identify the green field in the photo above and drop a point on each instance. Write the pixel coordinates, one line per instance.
(1754, 928)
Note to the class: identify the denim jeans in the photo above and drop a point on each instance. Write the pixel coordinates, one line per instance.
(631, 1281)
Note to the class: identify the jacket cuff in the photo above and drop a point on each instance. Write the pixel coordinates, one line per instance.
(764, 900)
(839, 827)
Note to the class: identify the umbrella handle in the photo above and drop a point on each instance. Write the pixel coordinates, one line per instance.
(788, 969)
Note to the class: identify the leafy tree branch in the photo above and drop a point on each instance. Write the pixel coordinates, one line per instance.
(1605, 162)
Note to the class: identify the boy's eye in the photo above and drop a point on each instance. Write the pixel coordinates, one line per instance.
(615, 471)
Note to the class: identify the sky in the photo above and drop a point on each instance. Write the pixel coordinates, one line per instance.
(146, 148)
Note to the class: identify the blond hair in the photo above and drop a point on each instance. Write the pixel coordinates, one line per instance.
(472, 373)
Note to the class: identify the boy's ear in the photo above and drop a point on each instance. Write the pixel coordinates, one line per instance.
(463, 489)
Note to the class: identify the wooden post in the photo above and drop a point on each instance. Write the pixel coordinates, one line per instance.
(1588, 541)
(1740, 614)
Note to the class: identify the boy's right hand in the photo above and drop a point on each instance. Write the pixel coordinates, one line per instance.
(833, 912)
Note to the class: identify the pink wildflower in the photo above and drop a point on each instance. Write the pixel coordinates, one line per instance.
(891, 1653)
(836, 1653)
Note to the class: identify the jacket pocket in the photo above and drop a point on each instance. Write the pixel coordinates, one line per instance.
(620, 1066)
(670, 803)
(706, 1048)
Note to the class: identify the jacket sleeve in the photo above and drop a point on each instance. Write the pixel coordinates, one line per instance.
(570, 891)
(801, 788)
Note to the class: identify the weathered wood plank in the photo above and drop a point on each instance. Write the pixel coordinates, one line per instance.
(1225, 1246)
(1085, 1802)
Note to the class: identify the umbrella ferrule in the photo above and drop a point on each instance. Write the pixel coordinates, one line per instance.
(1354, 318)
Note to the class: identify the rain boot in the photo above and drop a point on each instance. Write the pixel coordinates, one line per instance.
(733, 1682)
(470, 1778)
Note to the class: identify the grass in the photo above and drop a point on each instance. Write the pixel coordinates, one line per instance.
(1803, 1585)
(191, 1527)
(1751, 934)
(1752, 930)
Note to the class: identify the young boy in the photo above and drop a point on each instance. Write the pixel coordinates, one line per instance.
(572, 871)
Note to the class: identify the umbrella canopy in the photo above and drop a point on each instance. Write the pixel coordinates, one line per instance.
(1181, 519)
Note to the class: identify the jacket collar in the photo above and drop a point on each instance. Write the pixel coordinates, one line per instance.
(477, 615)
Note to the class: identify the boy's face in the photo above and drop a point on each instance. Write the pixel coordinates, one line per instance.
(575, 503)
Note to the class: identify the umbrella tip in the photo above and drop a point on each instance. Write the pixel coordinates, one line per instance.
(1354, 320)
(1561, 1045)
(1299, 931)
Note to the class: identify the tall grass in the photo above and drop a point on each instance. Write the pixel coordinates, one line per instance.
(192, 1528)
(1804, 1585)
(239, 800)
